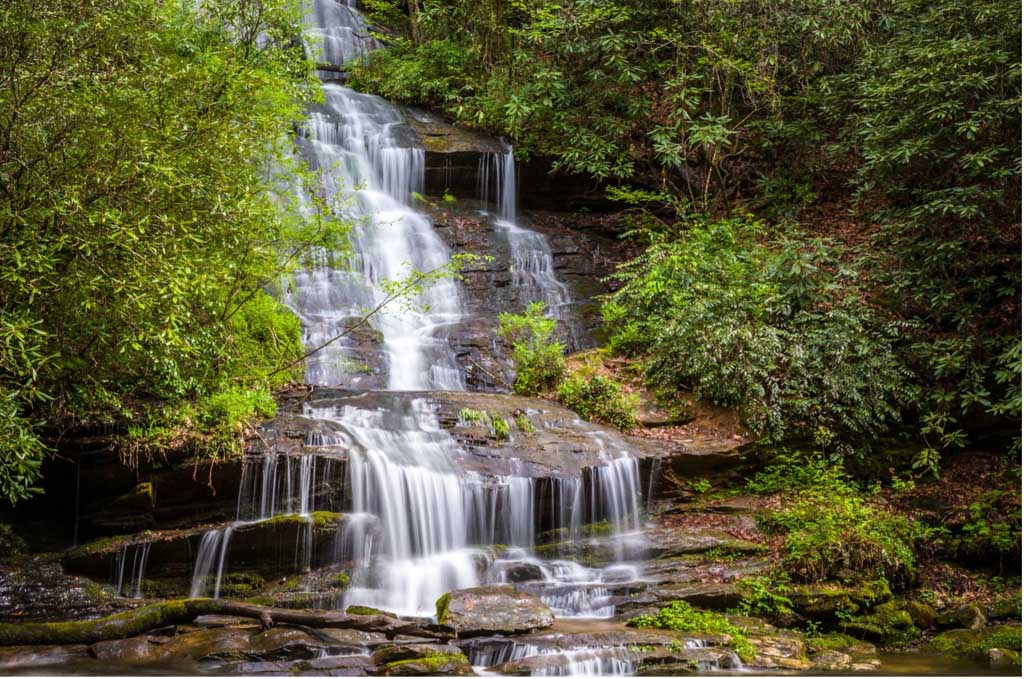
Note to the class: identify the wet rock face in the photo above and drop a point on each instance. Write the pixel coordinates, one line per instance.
(544, 439)
(480, 611)
(265, 549)
(581, 259)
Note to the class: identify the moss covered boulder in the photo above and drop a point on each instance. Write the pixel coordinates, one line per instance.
(421, 660)
(976, 643)
(492, 610)
(831, 601)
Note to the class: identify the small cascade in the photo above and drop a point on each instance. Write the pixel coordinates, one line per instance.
(615, 661)
(273, 485)
(533, 268)
(587, 662)
(137, 555)
(336, 32)
(213, 549)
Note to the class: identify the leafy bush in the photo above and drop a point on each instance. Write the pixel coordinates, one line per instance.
(777, 329)
(683, 617)
(538, 359)
(830, 528)
(761, 597)
(933, 107)
(991, 530)
(597, 398)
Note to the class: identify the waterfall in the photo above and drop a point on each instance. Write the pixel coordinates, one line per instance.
(533, 268)
(139, 556)
(370, 169)
(419, 523)
(585, 661)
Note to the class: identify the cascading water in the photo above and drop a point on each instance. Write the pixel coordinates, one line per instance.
(370, 168)
(533, 267)
(137, 556)
(271, 485)
(423, 524)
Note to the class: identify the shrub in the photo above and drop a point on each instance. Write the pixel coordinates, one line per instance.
(761, 597)
(682, 617)
(829, 527)
(538, 358)
(991, 530)
(597, 398)
(774, 328)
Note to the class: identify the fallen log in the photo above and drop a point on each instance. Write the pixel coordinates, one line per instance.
(176, 612)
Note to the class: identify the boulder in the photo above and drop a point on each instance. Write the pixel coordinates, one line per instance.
(492, 610)
(417, 660)
(969, 616)
(828, 602)
(831, 661)
(1003, 659)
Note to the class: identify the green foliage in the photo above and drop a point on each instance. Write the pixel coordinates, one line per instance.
(700, 486)
(831, 527)
(682, 617)
(472, 416)
(616, 88)
(538, 358)
(524, 424)
(777, 328)
(991, 529)
(500, 426)
(141, 221)
(762, 597)
(597, 398)
(934, 108)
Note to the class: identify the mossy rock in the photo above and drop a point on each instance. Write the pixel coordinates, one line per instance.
(975, 643)
(1006, 606)
(888, 623)
(421, 660)
(368, 610)
(922, 614)
(831, 601)
(969, 616)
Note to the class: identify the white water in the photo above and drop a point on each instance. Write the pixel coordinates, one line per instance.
(533, 267)
(423, 523)
(139, 555)
(369, 169)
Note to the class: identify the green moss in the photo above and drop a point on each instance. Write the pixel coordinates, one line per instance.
(975, 643)
(599, 528)
(320, 520)
(339, 580)
(833, 641)
(367, 610)
(889, 623)
(240, 584)
(442, 607)
(1006, 606)
(432, 662)
(100, 546)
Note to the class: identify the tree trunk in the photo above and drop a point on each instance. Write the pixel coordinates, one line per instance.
(139, 620)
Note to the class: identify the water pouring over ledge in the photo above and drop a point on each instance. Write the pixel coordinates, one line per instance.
(370, 167)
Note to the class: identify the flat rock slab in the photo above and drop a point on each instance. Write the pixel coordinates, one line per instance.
(493, 610)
